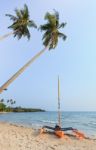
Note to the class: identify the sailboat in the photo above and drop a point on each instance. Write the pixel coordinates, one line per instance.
(58, 130)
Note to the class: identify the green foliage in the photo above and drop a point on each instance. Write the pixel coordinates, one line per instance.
(9, 108)
(21, 22)
(20, 109)
(51, 30)
(2, 107)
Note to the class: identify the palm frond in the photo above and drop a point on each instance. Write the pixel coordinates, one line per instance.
(61, 35)
(51, 18)
(47, 40)
(26, 11)
(45, 27)
(47, 33)
(18, 13)
(27, 33)
(56, 42)
(31, 23)
(13, 18)
(62, 25)
(47, 16)
(51, 30)
(21, 22)
(56, 14)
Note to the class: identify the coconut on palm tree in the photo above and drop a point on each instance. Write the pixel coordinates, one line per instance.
(21, 23)
(50, 41)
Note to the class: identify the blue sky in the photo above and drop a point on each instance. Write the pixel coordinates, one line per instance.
(74, 60)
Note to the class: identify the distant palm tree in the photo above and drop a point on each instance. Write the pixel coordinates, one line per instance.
(50, 40)
(21, 23)
(8, 101)
(12, 102)
(2, 100)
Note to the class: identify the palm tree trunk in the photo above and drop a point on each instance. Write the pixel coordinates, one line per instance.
(6, 35)
(6, 84)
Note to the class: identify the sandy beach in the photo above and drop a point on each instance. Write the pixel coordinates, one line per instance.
(13, 137)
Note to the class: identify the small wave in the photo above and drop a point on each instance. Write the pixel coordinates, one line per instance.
(93, 123)
(48, 121)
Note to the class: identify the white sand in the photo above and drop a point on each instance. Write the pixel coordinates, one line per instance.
(14, 137)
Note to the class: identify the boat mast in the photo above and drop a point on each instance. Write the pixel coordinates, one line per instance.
(59, 113)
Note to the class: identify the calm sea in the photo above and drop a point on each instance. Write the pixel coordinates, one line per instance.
(84, 121)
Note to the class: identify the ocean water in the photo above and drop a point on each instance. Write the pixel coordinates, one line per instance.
(83, 121)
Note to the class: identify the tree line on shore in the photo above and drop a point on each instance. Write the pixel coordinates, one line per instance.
(6, 106)
(9, 106)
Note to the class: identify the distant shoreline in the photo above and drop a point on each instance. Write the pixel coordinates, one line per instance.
(21, 109)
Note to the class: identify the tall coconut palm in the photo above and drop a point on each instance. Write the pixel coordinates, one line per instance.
(50, 37)
(51, 29)
(21, 24)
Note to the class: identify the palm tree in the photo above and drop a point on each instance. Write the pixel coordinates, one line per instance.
(14, 102)
(21, 23)
(11, 102)
(2, 100)
(51, 29)
(50, 37)
(8, 101)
